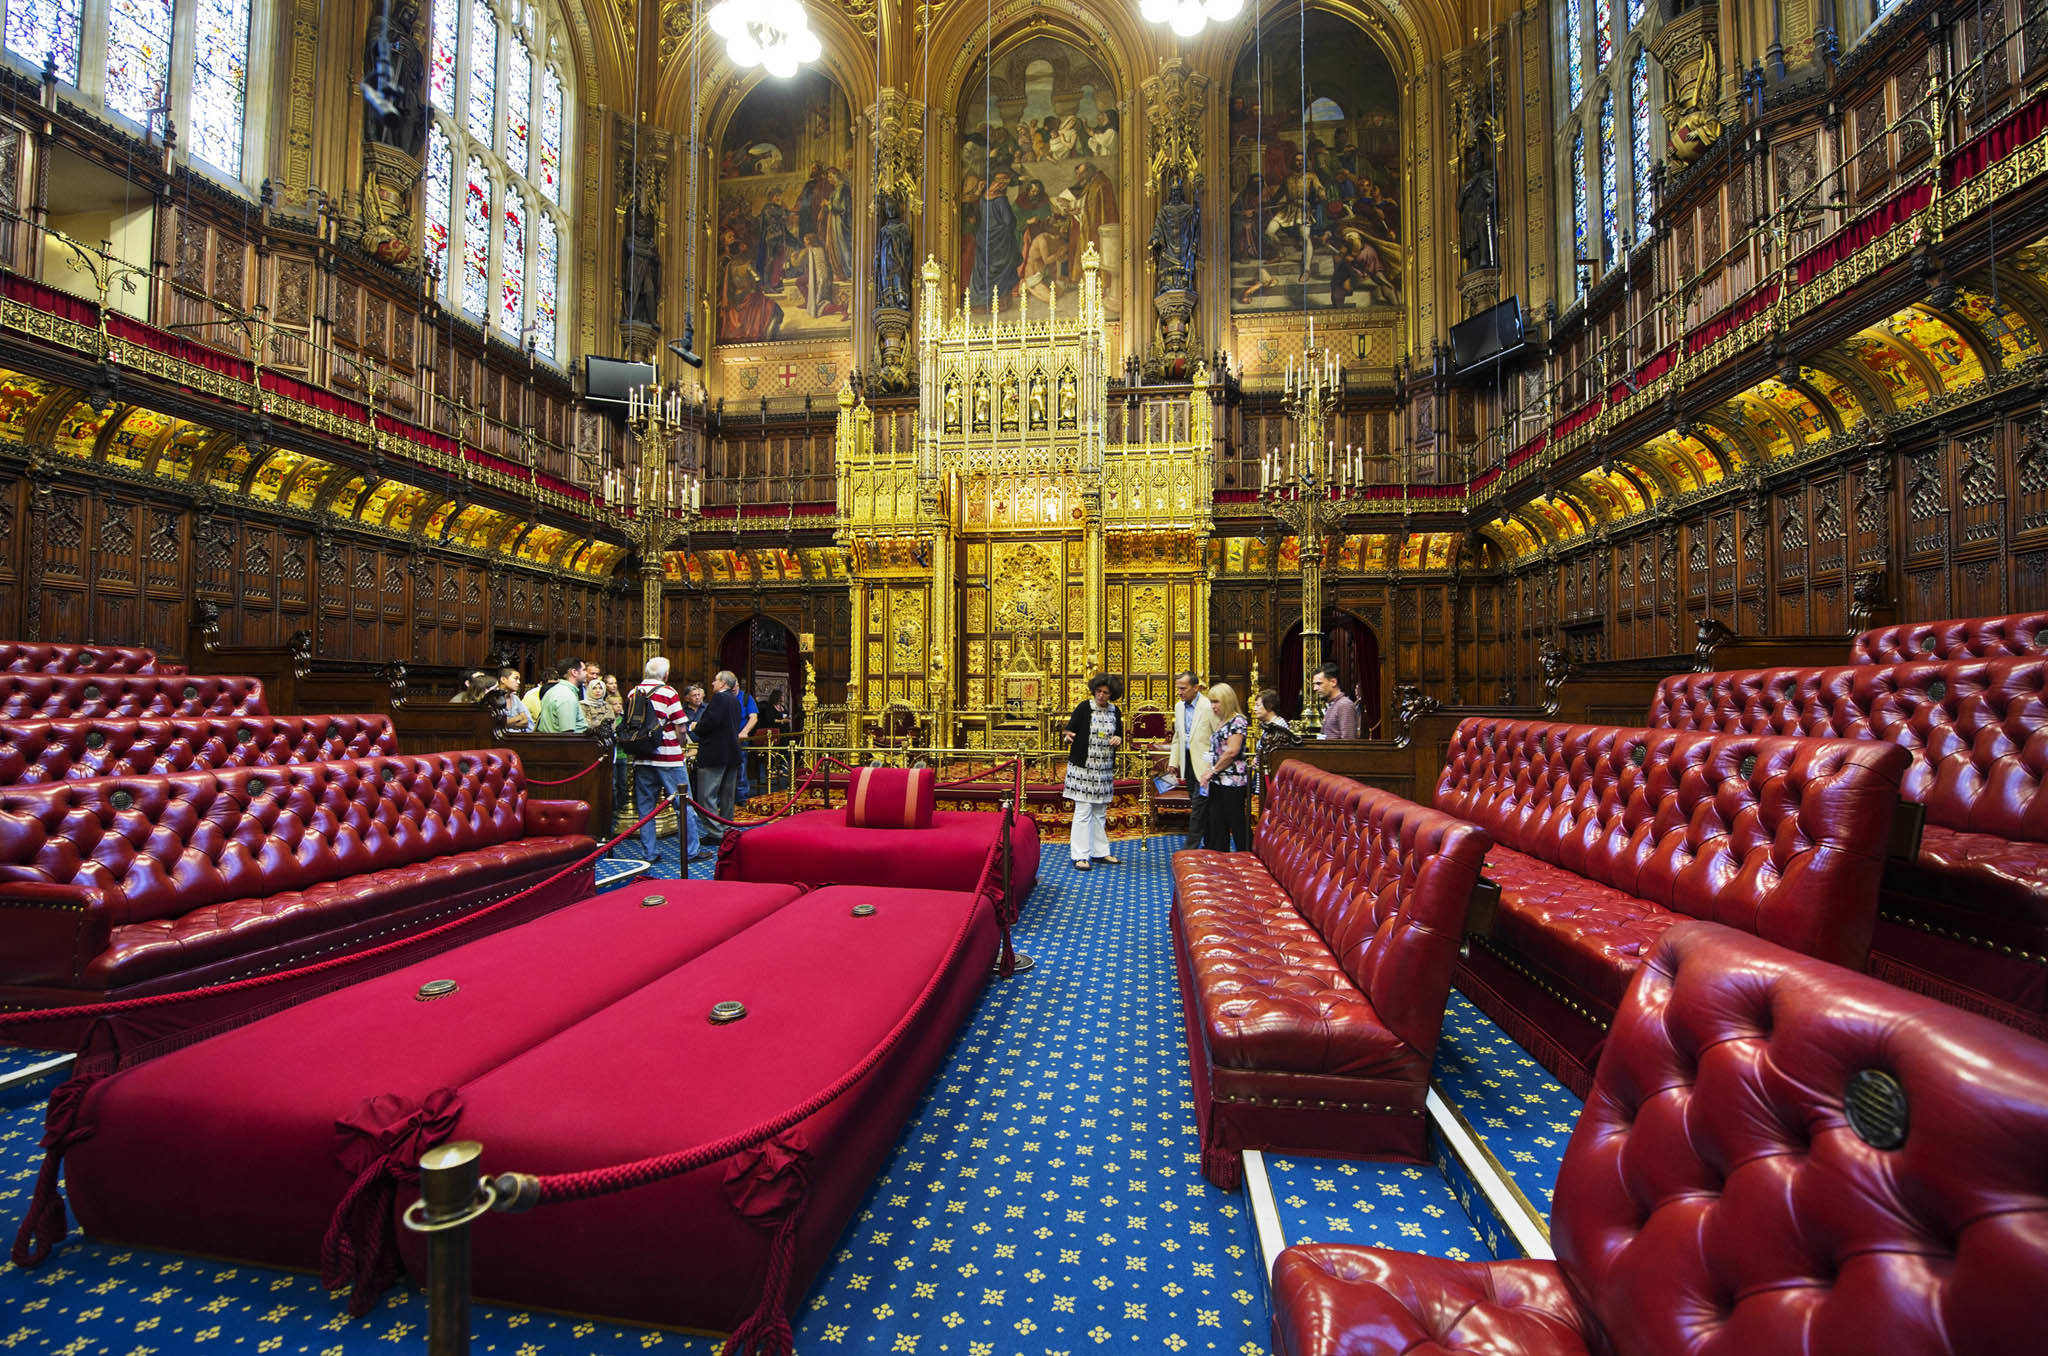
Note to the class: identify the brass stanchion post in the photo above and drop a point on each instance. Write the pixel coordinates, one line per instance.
(451, 1196)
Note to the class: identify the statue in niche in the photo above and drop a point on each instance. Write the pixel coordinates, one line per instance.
(1070, 404)
(1009, 402)
(640, 267)
(981, 404)
(1035, 405)
(1176, 237)
(394, 79)
(892, 254)
(952, 407)
(1478, 218)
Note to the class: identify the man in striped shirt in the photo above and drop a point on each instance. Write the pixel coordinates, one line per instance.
(666, 771)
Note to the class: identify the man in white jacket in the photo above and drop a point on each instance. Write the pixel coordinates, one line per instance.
(1194, 721)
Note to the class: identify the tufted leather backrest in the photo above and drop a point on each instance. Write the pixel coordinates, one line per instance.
(127, 696)
(1716, 1197)
(28, 656)
(1976, 729)
(2022, 633)
(1778, 836)
(1386, 882)
(160, 847)
(58, 750)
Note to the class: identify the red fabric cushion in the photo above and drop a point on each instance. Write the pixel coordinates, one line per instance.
(251, 1112)
(818, 847)
(890, 798)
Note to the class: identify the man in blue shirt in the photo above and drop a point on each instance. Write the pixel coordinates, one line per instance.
(750, 716)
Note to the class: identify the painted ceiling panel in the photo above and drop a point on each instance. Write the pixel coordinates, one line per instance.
(79, 429)
(1936, 340)
(21, 399)
(132, 442)
(2000, 324)
(1881, 359)
(1797, 408)
(1848, 409)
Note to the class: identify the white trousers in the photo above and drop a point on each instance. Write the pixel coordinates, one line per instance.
(1090, 835)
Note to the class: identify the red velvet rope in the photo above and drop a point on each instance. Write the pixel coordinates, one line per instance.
(602, 759)
(157, 1000)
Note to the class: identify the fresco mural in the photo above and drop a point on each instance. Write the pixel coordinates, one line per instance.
(785, 263)
(1041, 156)
(1315, 220)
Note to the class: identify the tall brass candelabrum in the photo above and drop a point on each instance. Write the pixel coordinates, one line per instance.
(1311, 485)
(654, 501)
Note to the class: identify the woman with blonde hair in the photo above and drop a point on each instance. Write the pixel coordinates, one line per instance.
(1228, 779)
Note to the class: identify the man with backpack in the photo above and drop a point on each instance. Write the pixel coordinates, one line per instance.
(651, 734)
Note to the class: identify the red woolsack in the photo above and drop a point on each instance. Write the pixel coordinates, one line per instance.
(891, 798)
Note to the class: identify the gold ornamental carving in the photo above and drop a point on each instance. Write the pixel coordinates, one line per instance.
(1148, 634)
(1174, 101)
(1026, 588)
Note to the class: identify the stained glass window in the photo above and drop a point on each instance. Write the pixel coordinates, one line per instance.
(1639, 139)
(505, 128)
(476, 240)
(483, 68)
(518, 104)
(551, 135)
(220, 83)
(445, 42)
(1581, 227)
(139, 59)
(1609, 189)
(512, 268)
(1635, 13)
(547, 267)
(440, 182)
(1575, 64)
(47, 30)
(1603, 34)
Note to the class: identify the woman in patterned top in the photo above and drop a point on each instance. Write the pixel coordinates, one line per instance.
(1097, 729)
(1227, 780)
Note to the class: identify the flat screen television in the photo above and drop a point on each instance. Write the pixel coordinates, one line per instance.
(611, 380)
(1486, 336)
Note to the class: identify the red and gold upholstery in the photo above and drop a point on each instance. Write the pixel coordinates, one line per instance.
(2021, 633)
(60, 750)
(1720, 1194)
(124, 885)
(1607, 836)
(28, 656)
(1972, 907)
(1315, 970)
(891, 798)
(127, 696)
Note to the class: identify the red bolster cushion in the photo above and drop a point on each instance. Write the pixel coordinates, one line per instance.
(891, 798)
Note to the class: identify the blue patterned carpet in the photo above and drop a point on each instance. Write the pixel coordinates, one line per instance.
(1383, 1205)
(1510, 1102)
(1046, 1198)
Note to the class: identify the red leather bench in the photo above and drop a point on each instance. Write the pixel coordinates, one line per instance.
(127, 696)
(2021, 633)
(1314, 970)
(130, 885)
(60, 750)
(1608, 836)
(1779, 1157)
(1966, 917)
(29, 656)
(576, 1041)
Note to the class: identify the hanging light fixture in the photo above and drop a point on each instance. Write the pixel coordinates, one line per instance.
(1189, 17)
(773, 34)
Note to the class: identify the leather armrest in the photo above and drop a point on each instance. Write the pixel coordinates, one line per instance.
(555, 818)
(53, 932)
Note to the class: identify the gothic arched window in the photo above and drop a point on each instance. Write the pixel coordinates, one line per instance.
(151, 63)
(498, 81)
(1592, 127)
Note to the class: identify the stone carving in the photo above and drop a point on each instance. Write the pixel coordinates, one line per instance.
(1478, 209)
(1411, 703)
(394, 78)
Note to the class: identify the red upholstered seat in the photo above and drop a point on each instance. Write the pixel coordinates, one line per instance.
(818, 847)
(1615, 834)
(1964, 638)
(57, 750)
(1314, 970)
(1977, 734)
(574, 1042)
(137, 884)
(1719, 1195)
(27, 656)
(124, 696)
